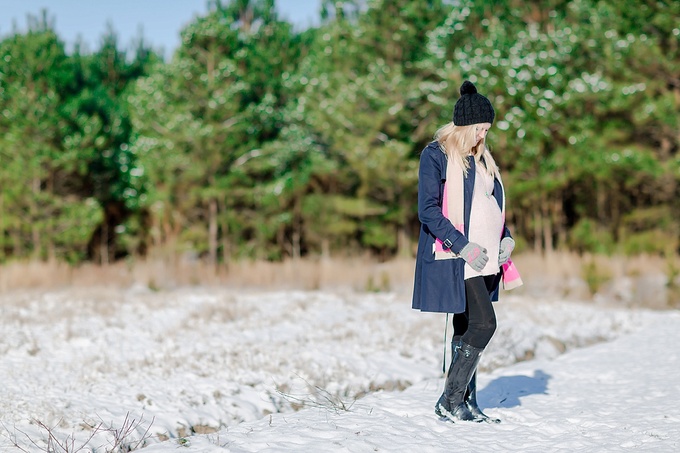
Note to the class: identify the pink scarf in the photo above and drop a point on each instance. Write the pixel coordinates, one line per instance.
(453, 209)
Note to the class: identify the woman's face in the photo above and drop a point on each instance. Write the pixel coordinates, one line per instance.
(481, 130)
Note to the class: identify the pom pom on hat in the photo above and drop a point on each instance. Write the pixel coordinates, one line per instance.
(472, 107)
(468, 88)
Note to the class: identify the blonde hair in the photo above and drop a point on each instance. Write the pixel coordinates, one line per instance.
(458, 142)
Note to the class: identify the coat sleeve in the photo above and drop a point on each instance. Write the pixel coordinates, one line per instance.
(431, 174)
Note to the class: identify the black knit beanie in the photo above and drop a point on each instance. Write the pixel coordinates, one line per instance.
(472, 107)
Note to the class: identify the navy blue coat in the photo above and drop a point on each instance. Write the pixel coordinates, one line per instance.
(439, 286)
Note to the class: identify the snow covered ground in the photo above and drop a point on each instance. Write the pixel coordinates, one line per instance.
(218, 370)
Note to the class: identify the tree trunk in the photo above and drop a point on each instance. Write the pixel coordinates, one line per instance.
(35, 232)
(547, 228)
(2, 225)
(297, 227)
(17, 249)
(601, 200)
(403, 240)
(51, 248)
(537, 231)
(325, 249)
(558, 215)
(104, 242)
(226, 244)
(296, 244)
(212, 232)
(615, 214)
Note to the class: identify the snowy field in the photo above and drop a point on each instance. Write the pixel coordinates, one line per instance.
(219, 370)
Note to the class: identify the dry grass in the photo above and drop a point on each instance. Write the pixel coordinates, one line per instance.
(361, 274)
(565, 264)
(644, 280)
(563, 274)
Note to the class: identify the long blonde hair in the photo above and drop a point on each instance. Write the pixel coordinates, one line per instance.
(457, 142)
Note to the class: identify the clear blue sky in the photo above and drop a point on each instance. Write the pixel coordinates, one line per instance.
(159, 20)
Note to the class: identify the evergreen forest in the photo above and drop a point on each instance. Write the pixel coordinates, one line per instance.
(258, 140)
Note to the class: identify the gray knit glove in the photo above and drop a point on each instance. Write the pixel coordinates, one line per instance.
(506, 248)
(475, 255)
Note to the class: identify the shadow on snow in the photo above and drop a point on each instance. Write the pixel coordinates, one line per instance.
(506, 391)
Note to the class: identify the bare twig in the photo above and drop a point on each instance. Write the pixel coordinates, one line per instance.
(123, 441)
(324, 399)
(128, 428)
(68, 444)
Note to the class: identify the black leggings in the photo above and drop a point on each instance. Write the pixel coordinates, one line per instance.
(477, 324)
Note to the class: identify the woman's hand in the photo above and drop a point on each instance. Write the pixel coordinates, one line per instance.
(475, 255)
(506, 248)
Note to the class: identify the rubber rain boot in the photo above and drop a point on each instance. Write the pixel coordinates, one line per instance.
(471, 402)
(451, 404)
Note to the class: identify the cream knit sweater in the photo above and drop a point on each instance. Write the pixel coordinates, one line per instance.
(486, 222)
